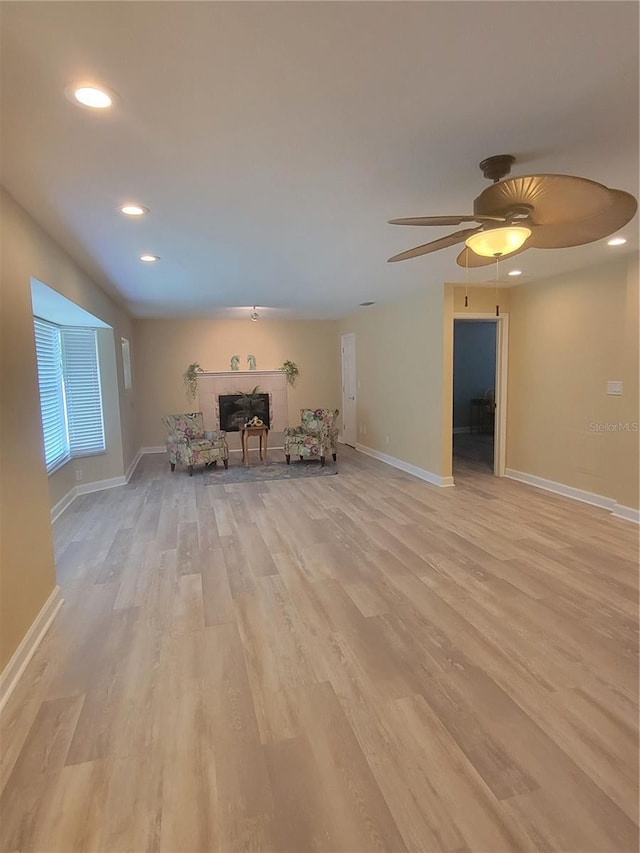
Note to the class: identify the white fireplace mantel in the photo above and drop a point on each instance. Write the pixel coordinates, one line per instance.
(237, 374)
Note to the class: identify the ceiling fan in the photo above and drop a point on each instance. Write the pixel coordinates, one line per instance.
(528, 212)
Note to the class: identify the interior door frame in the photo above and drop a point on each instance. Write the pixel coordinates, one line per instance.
(341, 437)
(502, 364)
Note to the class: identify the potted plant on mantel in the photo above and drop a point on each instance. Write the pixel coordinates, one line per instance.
(291, 371)
(190, 378)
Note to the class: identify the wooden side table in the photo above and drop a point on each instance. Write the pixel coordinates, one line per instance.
(245, 433)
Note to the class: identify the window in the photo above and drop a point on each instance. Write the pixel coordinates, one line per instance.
(126, 363)
(54, 421)
(70, 394)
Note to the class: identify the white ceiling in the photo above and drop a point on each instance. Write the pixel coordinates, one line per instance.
(273, 141)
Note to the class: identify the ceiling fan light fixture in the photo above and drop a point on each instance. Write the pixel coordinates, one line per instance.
(254, 315)
(617, 241)
(496, 242)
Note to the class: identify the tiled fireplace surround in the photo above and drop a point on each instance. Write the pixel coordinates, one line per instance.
(271, 382)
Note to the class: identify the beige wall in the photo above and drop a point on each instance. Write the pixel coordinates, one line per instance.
(626, 446)
(27, 574)
(399, 367)
(568, 336)
(164, 349)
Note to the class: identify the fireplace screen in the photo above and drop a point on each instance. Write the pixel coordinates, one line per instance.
(232, 417)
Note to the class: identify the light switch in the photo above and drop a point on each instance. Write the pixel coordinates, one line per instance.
(614, 387)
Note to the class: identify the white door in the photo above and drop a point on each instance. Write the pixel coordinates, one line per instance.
(349, 431)
(500, 425)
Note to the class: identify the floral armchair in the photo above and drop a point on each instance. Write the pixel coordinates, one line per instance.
(317, 435)
(188, 443)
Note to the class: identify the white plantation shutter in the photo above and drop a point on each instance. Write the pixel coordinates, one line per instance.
(82, 389)
(70, 394)
(54, 423)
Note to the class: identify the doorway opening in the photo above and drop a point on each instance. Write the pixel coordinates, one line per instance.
(479, 393)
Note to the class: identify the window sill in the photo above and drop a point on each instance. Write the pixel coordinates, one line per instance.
(58, 465)
(62, 462)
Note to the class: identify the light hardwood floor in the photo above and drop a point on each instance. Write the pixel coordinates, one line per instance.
(354, 663)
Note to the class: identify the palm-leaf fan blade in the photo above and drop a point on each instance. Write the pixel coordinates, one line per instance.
(434, 245)
(552, 199)
(587, 229)
(444, 220)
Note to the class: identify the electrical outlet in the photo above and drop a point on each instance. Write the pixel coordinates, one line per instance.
(614, 387)
(78, 474)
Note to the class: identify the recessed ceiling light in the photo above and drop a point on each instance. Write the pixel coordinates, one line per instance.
(88, 95)
(515, 272)
(617, 241)
(149, 259)
(134, 209)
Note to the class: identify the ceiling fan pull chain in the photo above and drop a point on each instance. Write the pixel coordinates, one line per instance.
(466, 278)
(497, 301)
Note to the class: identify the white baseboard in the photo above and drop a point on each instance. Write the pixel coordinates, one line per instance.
(84, 489)
(626, 512)
(99, 485)
(561, 489)
(422, 473)
(231, 449)
(95, 486)
(30, 642)
(58, 508)
(239, 449)
(133, 466)
(581, 495)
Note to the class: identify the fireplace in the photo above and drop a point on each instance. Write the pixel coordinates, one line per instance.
(232, 418)
(214, 386)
